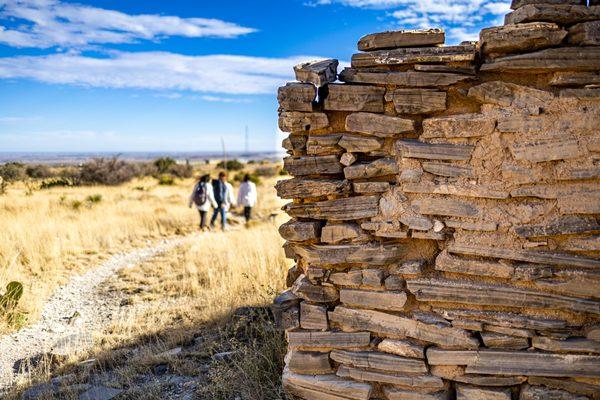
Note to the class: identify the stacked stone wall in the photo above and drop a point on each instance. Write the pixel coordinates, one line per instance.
(444, 210)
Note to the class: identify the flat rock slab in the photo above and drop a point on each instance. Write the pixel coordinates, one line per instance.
(415, 55)
(370, 254)
(312, 165)
(299, 188)
(560, 13)
(294, 121)
(548, 60)
(520, 3)
(318, 72)
(339, 340)
(379, 125)
(458, 126)
(354, 98)
(521, 37)
(380, 361)
(297, 96)
(388, 300)
(433, 151)
(325, 387)
(467, 392)
(419, 101)
(401, 38)
(585, 34)
(343, 209)
(409, 78)
(381, 167)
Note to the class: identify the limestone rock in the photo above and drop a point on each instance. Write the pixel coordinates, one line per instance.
(360, 144)
(318, 72)
(380, 361)
(571, 345)
(560, 13)
(415, 382)
(449, 263)
(392, 301)
(566, 78)
(433, 151)
(447, 169)
(298, 231)
(297, 96)
(325, 387)
(402, 348)
(562, 226)
(300, 188)
(379, 125)
(568, 385)
(466, 392)
(308, 363)
(380, 167)
(414, 55)
(458, 126)
(347, 159)
(370, 187)
(510, 95)
(548, 60)
(308, 291)
(401, 38)
(354, 98)
(392, 393)
(499, 341)
(294, 121)
(306, 340)
(371, 254)
(502, 362)
(585, 33)
(543, 393)
(312, 165)
(444, 290)
(520, 3)
(543, 150)
(317, 145)
(414, 79)
(313, 316)
(343, 209)
(521, 37)
(419, 101)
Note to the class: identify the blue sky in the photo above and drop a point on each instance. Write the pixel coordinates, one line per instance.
(180, 75)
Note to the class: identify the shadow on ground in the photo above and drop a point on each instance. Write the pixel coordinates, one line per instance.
(237, 357)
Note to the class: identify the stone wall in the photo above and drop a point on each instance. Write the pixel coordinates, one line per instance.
(445, 214)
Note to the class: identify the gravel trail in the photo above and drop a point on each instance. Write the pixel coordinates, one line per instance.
(73, 313)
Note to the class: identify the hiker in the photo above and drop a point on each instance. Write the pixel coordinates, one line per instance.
(203, 197)
(224, 197)
(247, 196)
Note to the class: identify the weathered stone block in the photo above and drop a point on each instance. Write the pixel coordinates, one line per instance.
(419, 101)
(401, 38)
(414, 55)
(521, 37)
(318, 72)
(297, 96)
(379, 125)
(354, 98)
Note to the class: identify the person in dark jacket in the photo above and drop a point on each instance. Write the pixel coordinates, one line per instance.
(223, 192)
(203, 198)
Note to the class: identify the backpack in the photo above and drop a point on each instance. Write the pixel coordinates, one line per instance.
(200, 195)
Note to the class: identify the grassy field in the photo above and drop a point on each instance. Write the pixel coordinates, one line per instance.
(49, 235)
(186, 297)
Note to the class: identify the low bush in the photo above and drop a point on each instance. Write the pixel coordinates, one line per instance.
(12, 172)
(166, 179)
(56, 182)
(39, 171)
(267, 172)
(108, 171)
(94, 198)
(231, 165)
(239, 177)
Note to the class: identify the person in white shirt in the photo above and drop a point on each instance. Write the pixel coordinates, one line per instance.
(247, 196)
(203, 198)
(223, 192)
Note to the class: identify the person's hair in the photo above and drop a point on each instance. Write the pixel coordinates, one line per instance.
(246, 177)
(222, 174)
(205, 178)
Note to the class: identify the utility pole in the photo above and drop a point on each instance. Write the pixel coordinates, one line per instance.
(247, 147)
(224, 153)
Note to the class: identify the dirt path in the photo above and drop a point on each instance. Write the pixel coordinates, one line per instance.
(73, 313)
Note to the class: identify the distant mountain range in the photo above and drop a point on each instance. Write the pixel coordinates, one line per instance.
(79, 157)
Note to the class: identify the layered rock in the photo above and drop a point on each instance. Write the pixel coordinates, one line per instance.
(445, 214)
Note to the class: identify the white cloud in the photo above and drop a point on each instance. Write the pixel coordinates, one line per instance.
(461, 18)
(226, 74)
(17, 120)
(49, 23)
(218, 99)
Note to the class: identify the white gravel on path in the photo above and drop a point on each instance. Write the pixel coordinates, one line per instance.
(83, 295)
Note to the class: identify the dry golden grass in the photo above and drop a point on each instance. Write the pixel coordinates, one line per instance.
(49, 235)
(191, 292)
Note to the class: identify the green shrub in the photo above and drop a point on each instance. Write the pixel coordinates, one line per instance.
(94, 198)
(56, 182)
(231, 165)
(182, 171)
(269, 171)
(76, 204)
(166, 179)
(283, 172)
(3, 186)
(110, 171)
(12, 172)
(10, 298)
(164, 164)
(39, 171)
